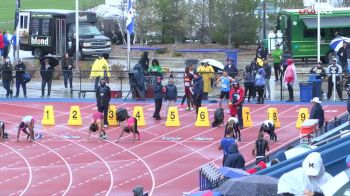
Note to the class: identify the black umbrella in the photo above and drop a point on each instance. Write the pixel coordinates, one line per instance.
(249, 185)
(53, 59)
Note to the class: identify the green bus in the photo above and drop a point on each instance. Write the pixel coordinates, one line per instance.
(299, 28)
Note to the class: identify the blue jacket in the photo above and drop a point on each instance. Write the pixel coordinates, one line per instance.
(158, 94)
(317, 113)
(234, 159)
(171, 92)
(232, 70)
(259, 80)
(198, 86)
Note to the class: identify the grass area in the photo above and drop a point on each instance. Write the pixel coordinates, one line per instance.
(7, 8)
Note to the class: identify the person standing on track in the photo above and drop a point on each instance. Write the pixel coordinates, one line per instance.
(158, 98)
(236, 102)
(103, 96)
(261, 146)
(27, 127)
(188, 78)
(225, 82)
(170, 95)
(97, 125)
(197, 90)
(226, 142)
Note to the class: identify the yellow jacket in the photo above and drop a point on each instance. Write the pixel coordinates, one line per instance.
(99, 68)
(207, 73)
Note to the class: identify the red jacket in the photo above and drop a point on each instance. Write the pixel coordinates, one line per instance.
(240, 92)
(2, 44)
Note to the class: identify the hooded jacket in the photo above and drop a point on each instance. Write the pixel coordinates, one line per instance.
(158, 94)
(139, 76)
(334, 69)
(234, 159)
(198, 85)
(171, 92)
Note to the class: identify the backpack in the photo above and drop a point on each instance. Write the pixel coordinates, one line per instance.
(218, 117)
(122, 114)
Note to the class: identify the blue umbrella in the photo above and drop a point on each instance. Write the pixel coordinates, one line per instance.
(232, 172)
(337, 43)
(206, 193)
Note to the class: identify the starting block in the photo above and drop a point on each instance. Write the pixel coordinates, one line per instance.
(112, 115)
(203, 139)
(247, 119)
(48, 116)
(302, 116)
(38, 136)
(272, 115)
(173, 118)
(74, 116)
(138, 114)
(202, 117)
(68, 136)
(171, 138)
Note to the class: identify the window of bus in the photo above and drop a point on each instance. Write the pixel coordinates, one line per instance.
(312, 33)
(45, 27)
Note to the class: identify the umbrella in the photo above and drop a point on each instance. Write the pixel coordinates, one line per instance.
(216, 64)
(232, 172)
(53, 59)
(337, 43)
(249, 185)
(205, 193)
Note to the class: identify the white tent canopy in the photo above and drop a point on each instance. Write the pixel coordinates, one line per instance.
(106, 11)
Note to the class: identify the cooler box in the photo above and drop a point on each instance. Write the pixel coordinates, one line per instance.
(309, 126)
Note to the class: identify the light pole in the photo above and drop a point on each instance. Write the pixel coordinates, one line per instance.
(264, 18)
(77, 33)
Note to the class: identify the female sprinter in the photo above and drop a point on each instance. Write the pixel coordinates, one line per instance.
(131, 126)
(27, 127)
(97, 125)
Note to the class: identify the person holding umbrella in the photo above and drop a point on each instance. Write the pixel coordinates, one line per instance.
(46, 72)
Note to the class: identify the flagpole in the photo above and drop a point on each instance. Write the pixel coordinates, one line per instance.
(128, 49)
(77, 34)
(130, 29)
(318, 31)
(18, 6)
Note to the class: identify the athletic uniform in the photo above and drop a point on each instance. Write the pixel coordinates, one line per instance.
(260, 150)
(132, 123)
(97, 116)
(269, 127)
(225, 145)
(225, 87)
(27, 120)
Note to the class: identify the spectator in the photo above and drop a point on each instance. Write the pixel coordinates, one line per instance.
(318, 70)
(67, 67)
(317, 111)
(261, 146)
(139, 81)
(158, 98)
(236, 102)
(7, 39)
(249, 83)
(225, 82)
(277, 60)
(155, 69)
(7, 69)
(267, 70)
(20, 69)
(144, 62)
(260, 85)
(197, 90)
(14, 44)
(170, 95)
(103, 96)
(261, 52)
(290, 77)
(46, 73)
(231, 68)
(100, 69)
(226, 142)
(206, 72)
(234, 158)
(306, 180)
(342, 56)
(334, 69)
(188, 84)
(2, 44)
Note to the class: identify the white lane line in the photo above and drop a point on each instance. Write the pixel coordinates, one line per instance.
(28, 165)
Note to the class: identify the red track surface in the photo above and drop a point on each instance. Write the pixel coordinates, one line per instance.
(56, 166)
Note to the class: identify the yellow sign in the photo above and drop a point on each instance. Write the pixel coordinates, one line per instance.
(173, 118)
(302, 116)
(202, 117)
(138, 114)
(74, 116)
(112, 115)
(49, 116)
(272, 115)
(247, 119)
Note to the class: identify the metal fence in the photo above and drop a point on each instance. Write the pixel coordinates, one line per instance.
(83, 85)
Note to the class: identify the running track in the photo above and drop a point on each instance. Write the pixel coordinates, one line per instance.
(56, 166)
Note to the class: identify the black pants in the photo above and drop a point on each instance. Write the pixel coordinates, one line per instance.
(249, 87)
(5, 52)
(158, 105)
(20, 82)
(277, 68)
(67, 76)
(290, 91)
(43, 84)
(198, 102)
(258, 160)
(103, 109)
(260, 90)
(337, 87)
(183, 99)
